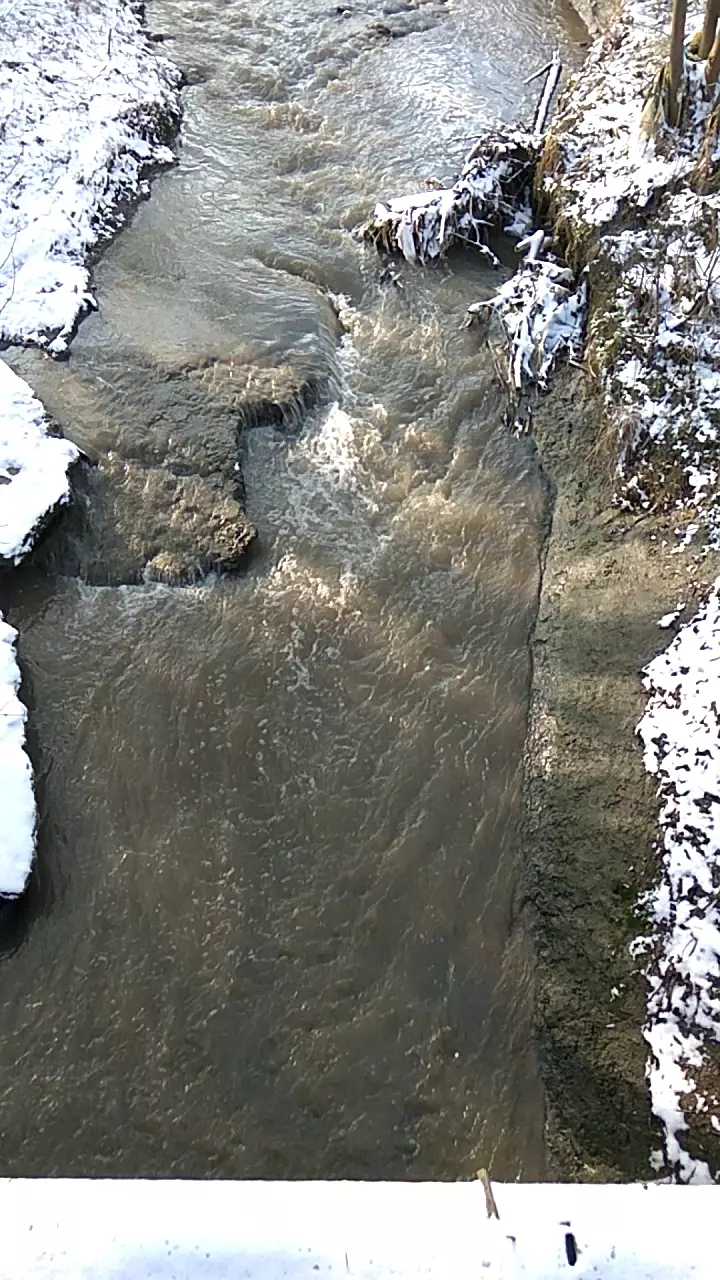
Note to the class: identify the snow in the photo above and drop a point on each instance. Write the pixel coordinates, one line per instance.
(85, 105)
(17, 802)
(609, 159)
(85, 102)
(422, 226)
(681, 735)
(658, 343)
(62, 1229)
(33, 466)
(668, 618)
(542, 309)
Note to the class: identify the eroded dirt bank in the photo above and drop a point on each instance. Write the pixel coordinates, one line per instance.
(625, 938)
(591, 814)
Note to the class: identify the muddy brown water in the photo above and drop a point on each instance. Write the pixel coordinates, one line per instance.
(276, 926)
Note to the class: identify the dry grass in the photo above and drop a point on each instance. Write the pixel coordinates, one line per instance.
(662, 110)
(550, 157)
(706, 176)
(614, 439)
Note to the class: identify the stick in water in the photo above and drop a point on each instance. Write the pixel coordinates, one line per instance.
(537, 74)
(553, 76)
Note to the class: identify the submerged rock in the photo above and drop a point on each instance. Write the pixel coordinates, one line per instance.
(175, 528)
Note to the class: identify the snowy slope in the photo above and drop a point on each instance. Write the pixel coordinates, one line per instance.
(656, 343)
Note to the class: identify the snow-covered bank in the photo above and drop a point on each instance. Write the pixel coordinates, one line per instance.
(126, 1229)
(86, 107)
(635, 198)
(654, 331)
(681, 733)
(33, 481)
(33, 467)
(17, 801)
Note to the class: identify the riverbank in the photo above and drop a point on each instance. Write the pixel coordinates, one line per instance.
(621, 852)
(592, 808)
(87, 108)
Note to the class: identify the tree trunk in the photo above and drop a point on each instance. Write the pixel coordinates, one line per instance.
(707, 39)
(713, 63)
(677, 56)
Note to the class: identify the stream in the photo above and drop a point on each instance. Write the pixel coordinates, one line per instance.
(277, 926)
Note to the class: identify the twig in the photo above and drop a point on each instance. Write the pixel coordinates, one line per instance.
(490, 1205)
(536, 74)
(11, 295)
(551, 84)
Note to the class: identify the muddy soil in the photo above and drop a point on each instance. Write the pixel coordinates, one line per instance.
(591, 811)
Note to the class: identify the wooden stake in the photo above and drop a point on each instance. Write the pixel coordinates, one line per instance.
(677, 56)
(490, 1205)
(707, 38)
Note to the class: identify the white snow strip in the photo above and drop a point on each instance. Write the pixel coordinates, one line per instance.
(681, 735)
(17, 802)
(668, 618)
(33, 466)
(107, 1229)
(84, 100)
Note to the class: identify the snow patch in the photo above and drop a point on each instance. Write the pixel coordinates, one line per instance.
(493, 183)
(680, 732)
(542, 309)
(33, 466)
(610, 160)
(17, 802)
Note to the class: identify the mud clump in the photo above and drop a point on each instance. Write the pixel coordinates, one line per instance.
(161, 496)
(177, 527)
